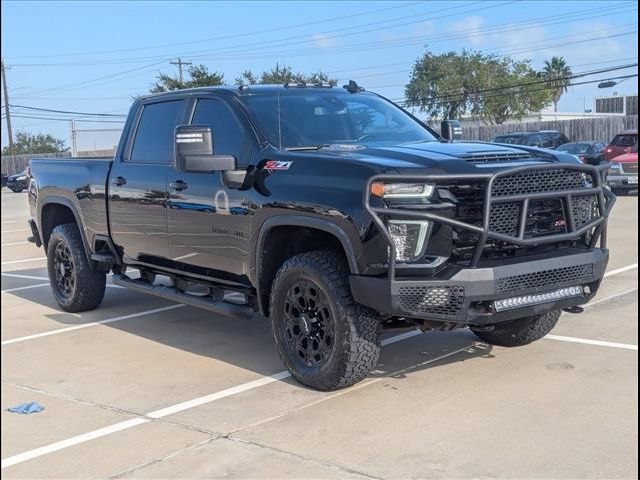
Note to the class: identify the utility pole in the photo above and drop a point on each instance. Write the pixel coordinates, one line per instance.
(179, 63)
(6, 108)
(73, 138)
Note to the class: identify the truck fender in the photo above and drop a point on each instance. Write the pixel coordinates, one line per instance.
(69, 204)
(301, 221)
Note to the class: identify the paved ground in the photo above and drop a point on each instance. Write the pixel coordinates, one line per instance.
(147, 389)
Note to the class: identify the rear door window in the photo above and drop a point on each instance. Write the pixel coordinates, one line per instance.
(153, 142)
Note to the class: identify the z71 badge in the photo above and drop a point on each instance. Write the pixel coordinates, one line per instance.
(277, 165)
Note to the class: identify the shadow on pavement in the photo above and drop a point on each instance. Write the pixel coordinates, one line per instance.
(247, 344)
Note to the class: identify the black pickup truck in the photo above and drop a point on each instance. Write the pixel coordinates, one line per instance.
(331, 211)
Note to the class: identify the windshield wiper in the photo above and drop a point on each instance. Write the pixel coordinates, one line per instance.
(310, 148)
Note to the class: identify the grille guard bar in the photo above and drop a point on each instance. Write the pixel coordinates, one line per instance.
(605, 200)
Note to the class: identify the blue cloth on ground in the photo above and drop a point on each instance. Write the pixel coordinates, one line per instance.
(27, 407)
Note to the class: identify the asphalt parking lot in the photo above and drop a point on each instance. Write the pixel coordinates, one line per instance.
(142, 388)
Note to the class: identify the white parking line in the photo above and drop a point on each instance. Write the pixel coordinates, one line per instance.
(26, 277)
(91, 324)
(179, 407)
(15, 243)
(610, 297)
(37, 259)
(626, 346)
(620, 270)
(17, 289)
(17, 230)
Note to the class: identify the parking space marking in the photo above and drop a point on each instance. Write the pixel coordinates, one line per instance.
(620, 270)
(28, 287)
(611, 297)
(70, 442)
(91, 324)
(625, 346)
(15, 243)
(37, 259)
(180, 407)
(26, 277)
(17, 230)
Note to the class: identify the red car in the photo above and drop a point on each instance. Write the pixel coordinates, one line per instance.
(622, 143)
(623, 174)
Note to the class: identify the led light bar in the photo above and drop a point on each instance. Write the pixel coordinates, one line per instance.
(527, 300)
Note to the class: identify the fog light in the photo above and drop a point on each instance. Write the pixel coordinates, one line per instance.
(526, 300)
(408, 238)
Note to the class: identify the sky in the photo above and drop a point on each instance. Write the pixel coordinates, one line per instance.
(96, 56)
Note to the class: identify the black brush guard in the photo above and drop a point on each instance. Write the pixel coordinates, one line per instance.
(471, 290)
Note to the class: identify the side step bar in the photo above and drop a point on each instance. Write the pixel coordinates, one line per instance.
(175, 295)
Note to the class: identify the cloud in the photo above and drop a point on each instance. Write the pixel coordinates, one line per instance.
(320, 40)
(472, 27)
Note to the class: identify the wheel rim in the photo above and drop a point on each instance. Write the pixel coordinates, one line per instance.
(308, 324)
(64, 270)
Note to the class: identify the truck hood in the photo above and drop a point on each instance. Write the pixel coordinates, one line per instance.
(464, 157)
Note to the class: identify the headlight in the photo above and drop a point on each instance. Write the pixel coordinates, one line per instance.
(401, 190)
(408, 237)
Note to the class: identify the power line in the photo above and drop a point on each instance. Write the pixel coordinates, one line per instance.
(66, 119)
(226, 37)
(65, 111)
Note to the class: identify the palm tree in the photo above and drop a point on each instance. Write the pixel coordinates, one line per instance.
(556, 71)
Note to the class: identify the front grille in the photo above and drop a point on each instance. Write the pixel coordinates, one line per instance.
(629, 167)
(505, 218)
(442, 301)
(585, 209)
(546, 278)
(545, 216)
(496, 157)
(538, 181)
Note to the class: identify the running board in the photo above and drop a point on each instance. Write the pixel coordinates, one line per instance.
(171, 293)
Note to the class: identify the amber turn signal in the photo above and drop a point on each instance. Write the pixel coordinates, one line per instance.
(377, 189)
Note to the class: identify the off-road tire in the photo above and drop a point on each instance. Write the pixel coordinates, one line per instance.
(88, 285)
(355, 349)
(521, 331)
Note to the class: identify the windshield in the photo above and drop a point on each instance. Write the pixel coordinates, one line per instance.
(574, 148)
(625, 140)
(307, 118)
(511, 139)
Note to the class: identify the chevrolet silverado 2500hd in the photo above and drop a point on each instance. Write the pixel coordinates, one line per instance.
(334, 213)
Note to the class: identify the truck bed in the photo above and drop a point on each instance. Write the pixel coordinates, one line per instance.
(81, 181)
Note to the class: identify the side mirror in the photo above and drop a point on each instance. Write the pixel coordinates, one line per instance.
(194, 151)
(450, 130)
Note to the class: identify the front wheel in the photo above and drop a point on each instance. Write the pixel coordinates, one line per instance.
(75, 285)
(325, 339)
(16, 189)
(521, 331)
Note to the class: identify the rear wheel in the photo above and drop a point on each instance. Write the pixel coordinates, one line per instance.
(521, 331)
(76, 287)
(325, 339)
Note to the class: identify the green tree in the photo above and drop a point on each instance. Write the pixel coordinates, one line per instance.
(483, 86)
(27, 143)
(556, 72)
(280, 75)
(199, 77)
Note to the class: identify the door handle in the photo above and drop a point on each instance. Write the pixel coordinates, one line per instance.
(119, 181)
(178, 185)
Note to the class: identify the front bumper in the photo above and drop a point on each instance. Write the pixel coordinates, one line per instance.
(466, 295)
(629, 181)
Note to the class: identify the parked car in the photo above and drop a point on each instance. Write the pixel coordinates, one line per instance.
(4, 180)
(623, 174)
(588, 152)
(18, 182)
(544, 139)
(622, 143)
(332, 212)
